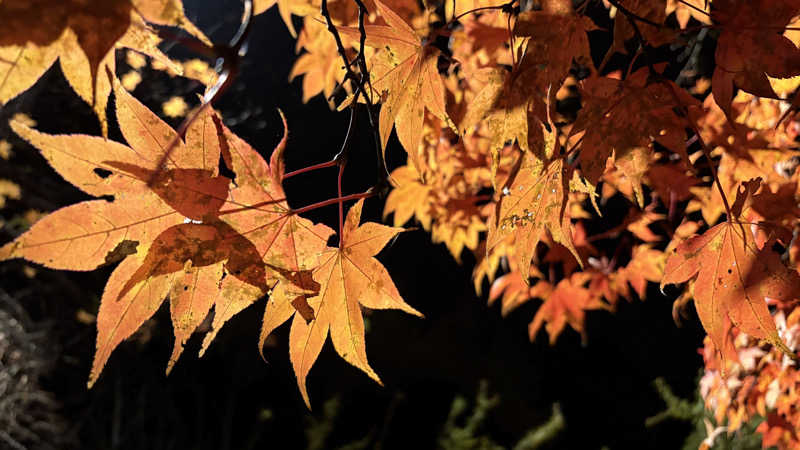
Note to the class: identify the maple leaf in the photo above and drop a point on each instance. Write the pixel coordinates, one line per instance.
(557, 37)
(409, 199)
(652, 11)
(733, 278)
(287, 243)
(670, 181)
(321, 65)
(566, 303)
(646, 264)
(177, 239)
(409, 80)
(81, 35)
(458, 227)
(504, 110)
(152, 237)
(751, 47)
(516, 291)
(349, 278)
(532, 201)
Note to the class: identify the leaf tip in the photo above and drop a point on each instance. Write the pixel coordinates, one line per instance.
(92, 379)
(304, 392)
(8, 251)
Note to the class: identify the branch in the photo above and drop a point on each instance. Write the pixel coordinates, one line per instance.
(632, 15)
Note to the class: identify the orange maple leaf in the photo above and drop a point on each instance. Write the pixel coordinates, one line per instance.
(349, 277)
(410, 198)
(533, 200)
(504, 108)
(733, 278)
(557, 36)
(515, 291)
(173, 234)
(408, 80)
(321, 65)
(566, 303)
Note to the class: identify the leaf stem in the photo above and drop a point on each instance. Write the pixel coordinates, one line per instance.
(323, 165)
(341, 202)
(331, 201)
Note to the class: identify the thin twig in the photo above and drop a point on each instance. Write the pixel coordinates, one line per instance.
(694, 7)
(632, 15)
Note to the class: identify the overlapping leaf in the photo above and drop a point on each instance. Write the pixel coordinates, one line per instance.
(180, 230)
(349, 278)
(532, 202)
(734, 278)
(515, 103)
(566, 303)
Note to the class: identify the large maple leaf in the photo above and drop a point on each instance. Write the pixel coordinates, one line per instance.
(733, 278)
(349, 278)
(407, 77)
(533, 201)
(81, 34)
(167, 224)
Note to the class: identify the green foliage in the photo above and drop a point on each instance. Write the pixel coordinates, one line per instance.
(694, 411)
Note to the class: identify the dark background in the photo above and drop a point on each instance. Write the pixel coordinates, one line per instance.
(231, 399)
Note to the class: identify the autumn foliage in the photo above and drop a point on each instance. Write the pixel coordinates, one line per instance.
(573, 178)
